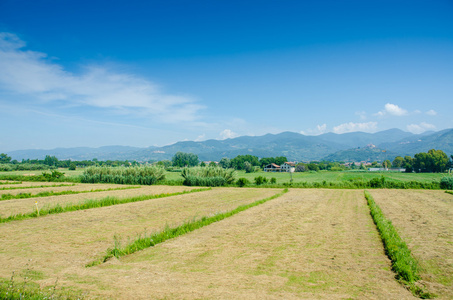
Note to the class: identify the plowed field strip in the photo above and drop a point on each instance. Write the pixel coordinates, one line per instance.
(306, 244)
(425, 221)
(64, 243)
(18, 206)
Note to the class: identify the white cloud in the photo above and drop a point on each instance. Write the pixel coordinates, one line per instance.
(361, 114)
(33, 74)
(320, 129)
(351, 127)
(431, 112)
(392, 109)
(420, 128)
(227, 134)
(200, 138)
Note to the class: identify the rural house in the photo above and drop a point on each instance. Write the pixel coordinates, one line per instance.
(288, 167)
(272, 168)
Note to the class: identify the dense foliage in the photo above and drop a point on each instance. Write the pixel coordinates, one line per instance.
(181, 159)
(145, 175)
(208, 176)
(446, 183)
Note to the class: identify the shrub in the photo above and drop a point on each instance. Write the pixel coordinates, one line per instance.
(446, 183)
(260, 180)
(273, 180)
(377, 182)
(145, 175)
(242, 182)
(72, 166)
(207, 176)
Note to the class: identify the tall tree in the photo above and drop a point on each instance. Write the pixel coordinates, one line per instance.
(4, 158)
(181, 159)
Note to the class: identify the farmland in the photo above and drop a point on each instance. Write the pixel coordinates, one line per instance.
(307, 243)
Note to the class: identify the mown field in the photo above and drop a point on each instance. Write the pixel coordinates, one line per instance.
(307, 243)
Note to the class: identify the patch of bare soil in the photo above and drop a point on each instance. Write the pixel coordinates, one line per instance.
(425, 221)
(309, 244)
(59, 246)
(15, 206)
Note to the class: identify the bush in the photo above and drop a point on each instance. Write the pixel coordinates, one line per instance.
(72, 166)
(242, 182)
(207, 176)
(146, 175)
(260, 180)
(273, 180)
(446, 183)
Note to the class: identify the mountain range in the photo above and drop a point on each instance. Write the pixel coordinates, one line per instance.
(354, 146)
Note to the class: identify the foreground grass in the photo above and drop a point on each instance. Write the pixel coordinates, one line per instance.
(88, 204)
(51, 193)
(403, 263)
(168, 233)
(34, 186)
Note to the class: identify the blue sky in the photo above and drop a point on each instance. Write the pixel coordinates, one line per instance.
(143, 73)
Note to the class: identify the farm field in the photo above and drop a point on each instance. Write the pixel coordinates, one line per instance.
(425, 221)
(308, 243)
(16, 206)
(59, 246)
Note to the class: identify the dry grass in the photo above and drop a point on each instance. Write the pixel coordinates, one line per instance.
(61, 245)
(425, 221)
(77, 187)
(16, 206)
(306, 244)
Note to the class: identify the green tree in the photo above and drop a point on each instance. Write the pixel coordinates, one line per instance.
(225, 163)
(398, 162)
(4, 158)
(238, 162)
(202, 164)
(212, 164)
(248, 167)
(72, 166)
(408, 164)
(387, 164)
(50, 161)
(181, 159)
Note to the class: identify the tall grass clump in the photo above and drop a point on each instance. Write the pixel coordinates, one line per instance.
(143, 242)
(144, 175)
(208, 176)
(403, 263)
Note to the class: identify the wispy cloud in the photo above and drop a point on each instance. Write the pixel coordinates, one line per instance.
(351, 127)
(431, 112)
(392, 109)
(420, 128)
(33, 74)
(320, 129)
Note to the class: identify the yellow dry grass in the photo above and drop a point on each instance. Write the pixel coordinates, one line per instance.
(15, 206)
(425, 221)
(307, 244)
(59, 246)
(77, 187)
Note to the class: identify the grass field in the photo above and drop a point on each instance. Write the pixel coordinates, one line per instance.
(283, 177)
(308, 243)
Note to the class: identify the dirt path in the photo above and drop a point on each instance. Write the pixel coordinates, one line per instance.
(309, 244)
(15, 206)
(425, 221)
(59, 246)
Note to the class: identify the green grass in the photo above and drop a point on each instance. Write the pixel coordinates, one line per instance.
(51, 193)
(403, 263)
(91, 203)
(34, 186)
(10, 182)
(449, 192)
(334, 179)
(168, 233)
